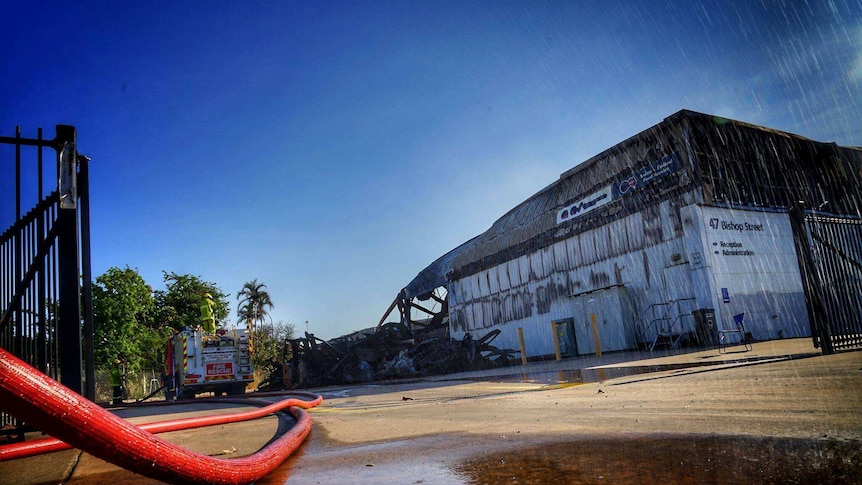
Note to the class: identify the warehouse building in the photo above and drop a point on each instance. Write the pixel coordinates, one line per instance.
(669, 238)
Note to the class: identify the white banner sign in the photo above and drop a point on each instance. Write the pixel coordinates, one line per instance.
(588, 203)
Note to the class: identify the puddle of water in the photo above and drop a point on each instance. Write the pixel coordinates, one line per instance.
(651, 460)
(581, 376)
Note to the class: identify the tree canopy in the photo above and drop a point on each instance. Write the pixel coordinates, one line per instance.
(254, 303)
(131, 322)
(268, 342)
(178, 305)
(122, 325)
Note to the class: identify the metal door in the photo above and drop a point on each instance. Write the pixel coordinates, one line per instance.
(565, 334)
(584, 340)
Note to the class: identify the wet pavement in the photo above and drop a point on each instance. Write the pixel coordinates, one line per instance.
(781, 413)
(672, 459)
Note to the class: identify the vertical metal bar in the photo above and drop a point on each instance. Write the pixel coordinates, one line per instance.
(5, 298)
(30, 336)
(843, 269)
(16, 345)
(57, 295)
(54, 297)
(855, 237)
(41, 288)
(3, 276)
(839, 285)
(51, 294)
(26, 295)
(854, 244)
(849, 237)
(86, 277)
(39, 155)
(17, 173)
(67, 240)
(801, 227)
(822, 288)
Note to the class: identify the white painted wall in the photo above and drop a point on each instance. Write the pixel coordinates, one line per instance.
(746, 262)
(637, 251)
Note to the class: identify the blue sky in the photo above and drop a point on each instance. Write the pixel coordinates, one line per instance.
(332, 150)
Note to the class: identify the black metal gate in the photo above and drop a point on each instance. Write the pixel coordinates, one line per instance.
(830, 248)
(45, 276)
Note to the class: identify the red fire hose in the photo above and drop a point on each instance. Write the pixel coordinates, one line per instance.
(44, 403)
(15, 451)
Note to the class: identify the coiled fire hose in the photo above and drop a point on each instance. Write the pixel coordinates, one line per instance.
(52, 408)
(49, 445)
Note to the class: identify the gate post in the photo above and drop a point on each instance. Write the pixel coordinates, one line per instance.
(811, 281)
(69, 328)
(86, 278)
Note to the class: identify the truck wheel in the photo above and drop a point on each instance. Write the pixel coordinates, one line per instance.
(187, 394)
(236, 390)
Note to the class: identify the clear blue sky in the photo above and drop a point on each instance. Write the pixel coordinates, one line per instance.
(334, 149)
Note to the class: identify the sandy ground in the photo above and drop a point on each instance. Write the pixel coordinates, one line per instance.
(780, 413)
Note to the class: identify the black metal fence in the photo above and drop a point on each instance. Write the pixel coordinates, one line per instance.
(833, 278)
(45, 276)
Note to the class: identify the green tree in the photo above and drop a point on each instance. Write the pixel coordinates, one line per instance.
(122, 324)
(268, 343)
(254, 304)
(178, 305)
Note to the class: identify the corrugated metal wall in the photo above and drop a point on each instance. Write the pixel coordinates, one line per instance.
(532, 290)
(615, 219)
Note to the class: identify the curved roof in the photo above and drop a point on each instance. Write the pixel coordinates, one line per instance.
(535, 216)
(533, 224)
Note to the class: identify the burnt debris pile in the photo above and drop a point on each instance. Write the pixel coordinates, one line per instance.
(393, 351)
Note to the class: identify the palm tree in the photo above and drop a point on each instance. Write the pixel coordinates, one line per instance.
(254, 303)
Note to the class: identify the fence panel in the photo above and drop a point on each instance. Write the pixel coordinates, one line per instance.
(45, 260)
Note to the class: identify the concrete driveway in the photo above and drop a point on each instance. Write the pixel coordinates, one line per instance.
(781, 412)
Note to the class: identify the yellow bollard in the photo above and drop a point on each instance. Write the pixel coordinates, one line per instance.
(556, 340)
(523, 349)
(596, 335)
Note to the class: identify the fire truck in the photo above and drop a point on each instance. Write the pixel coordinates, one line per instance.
(197, 362)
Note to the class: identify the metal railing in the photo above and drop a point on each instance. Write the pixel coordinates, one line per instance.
(45, 299)
(664, 326)
(830, 249)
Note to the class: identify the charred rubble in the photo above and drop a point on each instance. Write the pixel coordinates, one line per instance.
(391, 351)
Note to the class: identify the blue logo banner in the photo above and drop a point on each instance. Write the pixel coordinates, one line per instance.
(646, 175)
